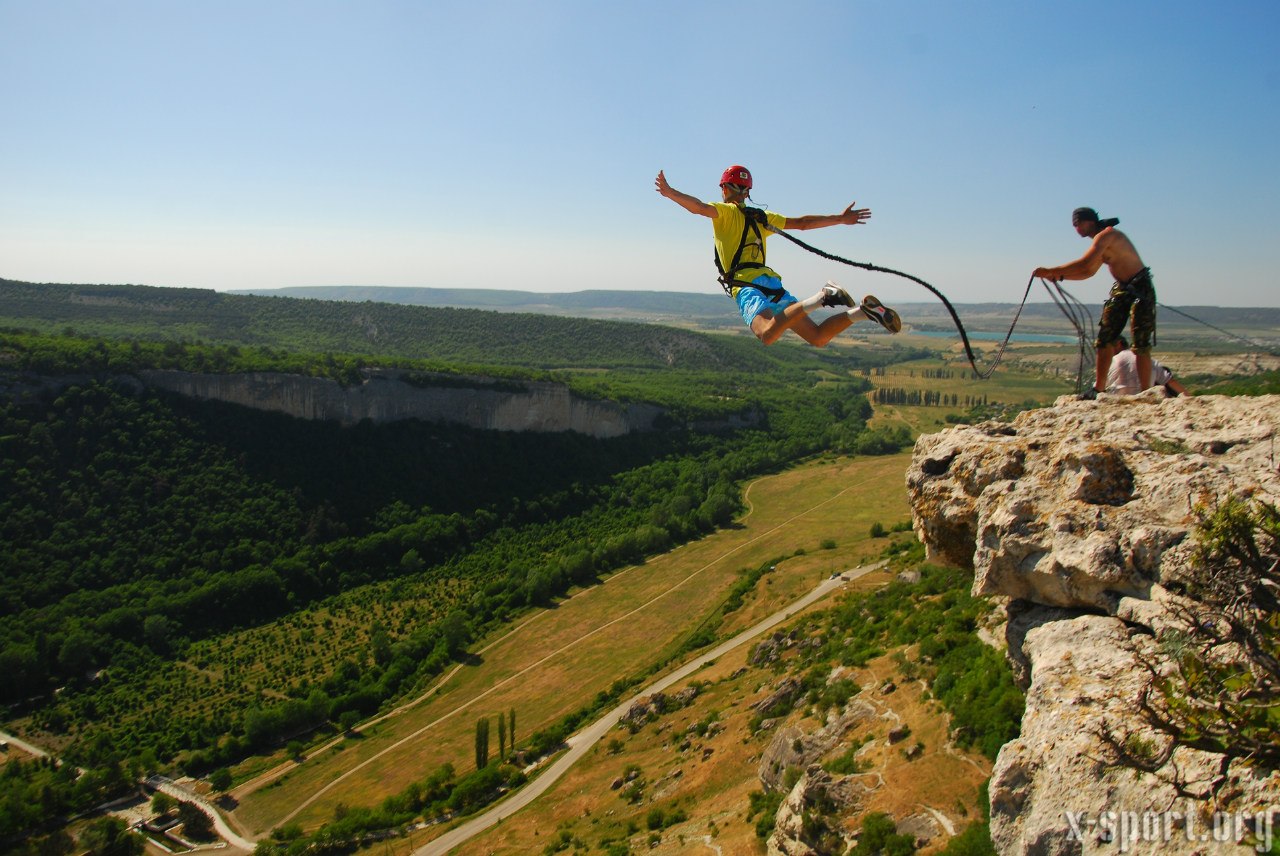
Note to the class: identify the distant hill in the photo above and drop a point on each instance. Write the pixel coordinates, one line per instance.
(591, 303)
(441, 334)
(714, 310)
(505, 327)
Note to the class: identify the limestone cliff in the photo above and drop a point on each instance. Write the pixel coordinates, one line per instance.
(385, 396)
(1081, 520)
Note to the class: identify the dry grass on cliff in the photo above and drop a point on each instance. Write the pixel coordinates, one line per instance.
(709, 778)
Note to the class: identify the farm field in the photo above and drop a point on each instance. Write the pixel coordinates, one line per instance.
(1029, 375)
(557, 660)
(570, 662)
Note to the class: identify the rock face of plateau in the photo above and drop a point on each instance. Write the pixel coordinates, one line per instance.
(1082, 521)
(385, 396)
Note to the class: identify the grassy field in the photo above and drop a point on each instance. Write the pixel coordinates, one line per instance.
(1029, 374)
(558, 659)
(818, 516)
(708, 778)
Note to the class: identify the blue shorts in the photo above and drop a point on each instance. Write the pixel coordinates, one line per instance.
(752, 301)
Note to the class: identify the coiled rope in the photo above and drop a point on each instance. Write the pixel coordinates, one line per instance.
(1082, 320)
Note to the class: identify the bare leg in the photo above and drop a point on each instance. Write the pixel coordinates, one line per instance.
(769, 325)
(793, 317)
(1105, 354)
(819, 335)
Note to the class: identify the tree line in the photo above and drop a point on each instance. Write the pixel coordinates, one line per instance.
(926, 398)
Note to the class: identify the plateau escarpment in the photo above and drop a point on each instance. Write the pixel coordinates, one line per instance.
(386, 396)
(1084, 521)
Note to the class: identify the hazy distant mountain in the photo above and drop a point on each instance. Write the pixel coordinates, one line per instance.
(712, 309)
(596, 303)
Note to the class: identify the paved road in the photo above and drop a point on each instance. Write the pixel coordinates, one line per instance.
(173, 789)
(161, 783)
(580, 743)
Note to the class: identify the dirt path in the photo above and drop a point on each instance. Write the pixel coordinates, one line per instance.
(173, 789)
(19, 743)
(462, 707)
(581, 743)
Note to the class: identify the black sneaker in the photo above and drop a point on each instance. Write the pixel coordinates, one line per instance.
(881, 314)
(834, 295)
(1089, 394)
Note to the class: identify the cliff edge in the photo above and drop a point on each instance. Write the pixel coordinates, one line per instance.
(1083, 521)
(387, 395)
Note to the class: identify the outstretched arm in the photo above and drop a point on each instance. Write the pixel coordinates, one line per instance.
(692, 204)
(851, 217)
(1082, 268)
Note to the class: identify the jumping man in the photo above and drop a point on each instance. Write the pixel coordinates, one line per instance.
(1133, 296)
(768, 308)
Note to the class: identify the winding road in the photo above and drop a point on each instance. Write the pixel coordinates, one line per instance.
(19, 743)
(581, 743)
(173, 789)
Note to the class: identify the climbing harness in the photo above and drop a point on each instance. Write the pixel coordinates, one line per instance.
(752, 220)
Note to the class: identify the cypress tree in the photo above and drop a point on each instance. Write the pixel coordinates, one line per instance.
(482, 742)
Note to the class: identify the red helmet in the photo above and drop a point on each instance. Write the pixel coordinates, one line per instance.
(736, 174)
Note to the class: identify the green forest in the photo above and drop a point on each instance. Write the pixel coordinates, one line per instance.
(443, 336)
(139, 528)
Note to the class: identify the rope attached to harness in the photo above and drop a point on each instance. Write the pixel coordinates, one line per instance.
(964, 336)
(1075, 311)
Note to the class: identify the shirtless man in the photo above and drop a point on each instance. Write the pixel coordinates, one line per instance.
(1133, 296)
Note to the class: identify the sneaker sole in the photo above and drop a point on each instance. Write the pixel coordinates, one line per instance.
(845, 298)
(885, 317)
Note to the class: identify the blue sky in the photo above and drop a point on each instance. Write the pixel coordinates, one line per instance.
(514, 144)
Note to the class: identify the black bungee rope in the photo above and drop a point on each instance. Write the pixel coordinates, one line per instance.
(1075, 311)
(964, 336)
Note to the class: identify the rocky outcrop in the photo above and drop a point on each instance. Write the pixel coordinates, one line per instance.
(792, 747)
(386, 396)
(802, 825)
(1080, 519)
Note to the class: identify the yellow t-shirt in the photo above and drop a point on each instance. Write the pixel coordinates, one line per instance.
(728, 224)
